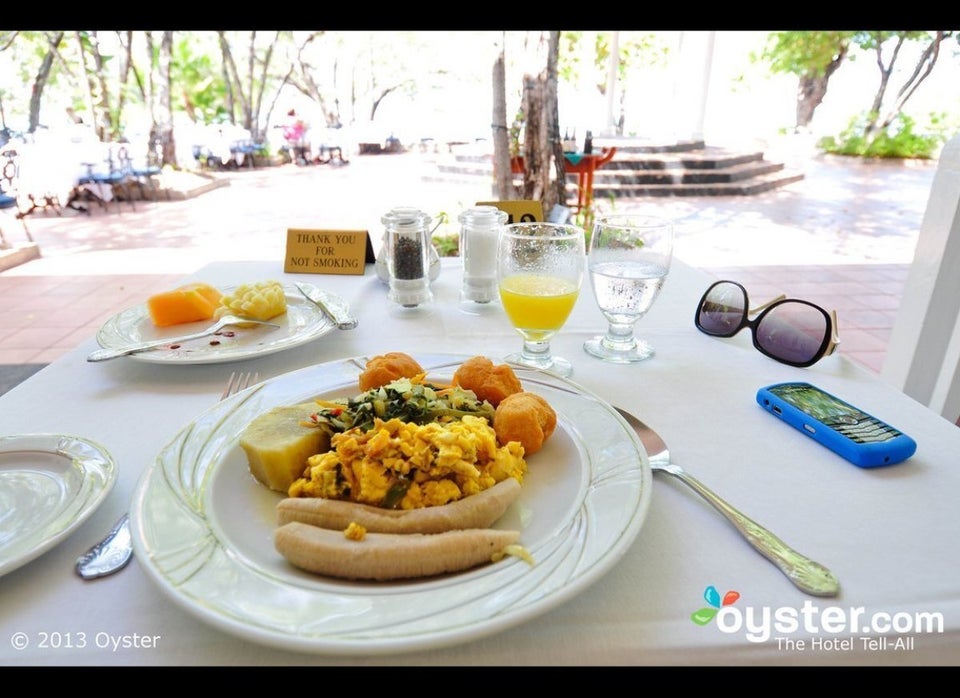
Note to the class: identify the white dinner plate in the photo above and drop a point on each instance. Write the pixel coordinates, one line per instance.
(303, 322)
(49, 485)
(203, 529)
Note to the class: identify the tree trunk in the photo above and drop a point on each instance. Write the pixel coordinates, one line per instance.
(501, 137)
(126, 61)
(535, 172)
(256, 100)
(40, 81)
(542, 135)
(111, 129)
(813, 88)
(230, 77)
(248, 97)
(303, 79)
(554, 146)
(95, 81)
(921, 72)
(163, 128)
(885, 72)
(376, 102)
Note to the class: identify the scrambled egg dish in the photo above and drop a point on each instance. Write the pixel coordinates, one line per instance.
(401, 465)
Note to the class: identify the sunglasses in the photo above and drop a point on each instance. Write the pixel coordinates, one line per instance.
(788, 330)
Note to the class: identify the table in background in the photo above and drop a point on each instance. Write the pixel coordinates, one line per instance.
(57, 169)
(888, 533)
(581, 164)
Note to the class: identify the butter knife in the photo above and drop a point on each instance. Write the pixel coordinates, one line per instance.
(109, 555)
(339, 314)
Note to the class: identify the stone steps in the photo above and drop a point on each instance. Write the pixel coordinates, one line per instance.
(690, 169)
(641, 169)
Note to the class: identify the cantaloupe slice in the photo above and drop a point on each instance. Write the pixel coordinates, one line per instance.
(278, 445)
(189, 303)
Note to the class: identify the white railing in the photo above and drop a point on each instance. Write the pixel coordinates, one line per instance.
(923, 356)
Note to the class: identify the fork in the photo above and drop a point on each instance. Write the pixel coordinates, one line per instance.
(225, 321)
(238, 382)
(115, 551)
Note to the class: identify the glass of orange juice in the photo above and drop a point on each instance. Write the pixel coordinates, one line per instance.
(540, 269)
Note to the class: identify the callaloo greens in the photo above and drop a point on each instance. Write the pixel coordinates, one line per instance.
(406, 399)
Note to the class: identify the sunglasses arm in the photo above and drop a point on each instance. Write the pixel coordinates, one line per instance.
(761, 308)
(834, 334)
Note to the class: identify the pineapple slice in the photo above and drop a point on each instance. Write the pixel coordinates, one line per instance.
(278, 444)
(257, 301)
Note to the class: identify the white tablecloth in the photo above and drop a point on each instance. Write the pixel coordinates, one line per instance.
(889, 534)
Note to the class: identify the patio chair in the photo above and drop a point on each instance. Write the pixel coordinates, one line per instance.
(10, 200)
(145, 172)
(245, 152)
(118, 177)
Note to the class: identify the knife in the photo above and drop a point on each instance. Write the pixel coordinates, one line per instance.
(331, 308)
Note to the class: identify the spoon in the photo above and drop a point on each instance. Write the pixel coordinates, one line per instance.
(225, 321)
(806, 574)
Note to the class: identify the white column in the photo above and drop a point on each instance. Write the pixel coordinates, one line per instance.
(707, 63)
(613, 91)
(694, 60)
(923, 356)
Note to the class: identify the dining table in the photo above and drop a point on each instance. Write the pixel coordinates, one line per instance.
(674, 583)
(581, 164)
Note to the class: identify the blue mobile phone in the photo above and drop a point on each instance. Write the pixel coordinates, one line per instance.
(846, 430)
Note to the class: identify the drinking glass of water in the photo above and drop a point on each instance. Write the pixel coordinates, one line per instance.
(629, 259)
(540, 270)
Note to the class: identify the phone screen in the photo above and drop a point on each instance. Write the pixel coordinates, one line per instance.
(835, 413)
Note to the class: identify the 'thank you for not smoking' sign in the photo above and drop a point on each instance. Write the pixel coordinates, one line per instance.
(327, 251)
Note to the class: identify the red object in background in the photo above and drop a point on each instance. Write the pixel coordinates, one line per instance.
(584, 166)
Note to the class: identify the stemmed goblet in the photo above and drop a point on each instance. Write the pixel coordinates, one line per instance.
(628, 261)
(540, 270)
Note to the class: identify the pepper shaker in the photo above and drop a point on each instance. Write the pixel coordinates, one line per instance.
(479, 234)
(407, 239)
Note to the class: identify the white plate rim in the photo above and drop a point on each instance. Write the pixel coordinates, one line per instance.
(98, 476)
(116, 332)
(177, 568)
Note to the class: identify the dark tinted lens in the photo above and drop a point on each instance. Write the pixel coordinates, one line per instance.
(722, 310)
(793, 331)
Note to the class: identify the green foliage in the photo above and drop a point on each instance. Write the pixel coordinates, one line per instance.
(899, 140)
(585, 217)
(568, 63)
(447, 245)
(647, 49)
(873, 40)
(635, 50)
(804, 52)
(199, 82)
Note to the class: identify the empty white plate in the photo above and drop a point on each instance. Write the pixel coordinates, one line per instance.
(49, 485)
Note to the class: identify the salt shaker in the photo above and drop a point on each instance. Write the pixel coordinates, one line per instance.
(479, 234)
(407, 243)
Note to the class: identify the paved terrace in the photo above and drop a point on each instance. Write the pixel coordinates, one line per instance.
(843, 237)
